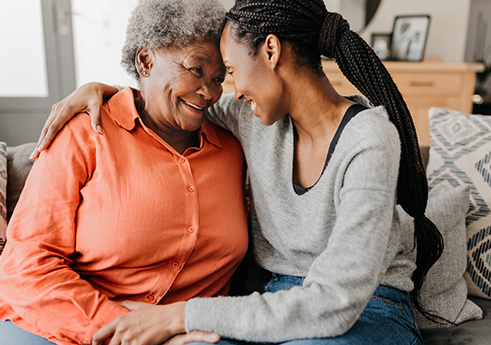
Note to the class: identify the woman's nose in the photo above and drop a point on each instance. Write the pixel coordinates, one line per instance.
(238, 95)
(205, 91)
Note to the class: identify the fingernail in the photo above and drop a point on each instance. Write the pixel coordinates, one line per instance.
(212, 336)
(99, 129)
(34, 153)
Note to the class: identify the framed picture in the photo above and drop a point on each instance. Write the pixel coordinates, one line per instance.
(381, 45)
(409, 37)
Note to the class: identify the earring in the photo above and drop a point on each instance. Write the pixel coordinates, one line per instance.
(144, 73)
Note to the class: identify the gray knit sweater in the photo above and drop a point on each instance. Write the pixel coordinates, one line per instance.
(343, 235)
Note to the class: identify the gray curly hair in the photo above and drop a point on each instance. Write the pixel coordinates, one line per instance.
(157, 24)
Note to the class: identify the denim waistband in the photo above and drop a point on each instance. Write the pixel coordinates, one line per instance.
(286, 282)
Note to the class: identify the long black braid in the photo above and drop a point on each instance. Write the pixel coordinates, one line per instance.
(312, 31)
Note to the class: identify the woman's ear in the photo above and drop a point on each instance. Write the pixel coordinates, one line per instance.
(144, 62)
(272, 49)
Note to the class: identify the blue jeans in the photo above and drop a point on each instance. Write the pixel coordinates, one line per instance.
(10, 334)
(387, 319)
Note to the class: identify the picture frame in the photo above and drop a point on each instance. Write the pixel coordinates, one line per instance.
(409, 35)
(381, 44)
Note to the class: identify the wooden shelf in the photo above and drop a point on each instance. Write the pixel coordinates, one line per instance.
(423, 85)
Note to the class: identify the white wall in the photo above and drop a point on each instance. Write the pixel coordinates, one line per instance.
(99, 29)
(448, 27)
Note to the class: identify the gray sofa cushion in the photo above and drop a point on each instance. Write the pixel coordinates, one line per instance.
(18, 167)
(475, 332)
(3, 194)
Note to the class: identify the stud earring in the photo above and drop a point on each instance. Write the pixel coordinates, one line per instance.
(145, 73)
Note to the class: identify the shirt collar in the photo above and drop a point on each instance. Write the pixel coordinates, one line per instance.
(123, 110)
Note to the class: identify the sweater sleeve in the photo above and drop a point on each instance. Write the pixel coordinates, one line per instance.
(228, 113)
(342, 279)
(36, 278)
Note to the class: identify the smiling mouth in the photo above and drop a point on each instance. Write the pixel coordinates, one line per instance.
(193, 105)
(253, 105)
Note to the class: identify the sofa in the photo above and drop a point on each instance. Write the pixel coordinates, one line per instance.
(473, 332)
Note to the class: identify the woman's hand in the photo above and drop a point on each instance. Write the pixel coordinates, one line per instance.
(146, 324)
(193, 336)
(87, 98)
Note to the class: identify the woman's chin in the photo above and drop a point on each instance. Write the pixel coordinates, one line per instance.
(266, 120)
(191, 126)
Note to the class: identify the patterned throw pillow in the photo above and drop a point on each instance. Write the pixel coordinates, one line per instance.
(3, 194)
(460, 154)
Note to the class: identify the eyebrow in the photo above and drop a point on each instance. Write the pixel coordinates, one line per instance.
(205, 59)
(201, 58)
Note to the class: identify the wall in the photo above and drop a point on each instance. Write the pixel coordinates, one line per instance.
(99, 31)
(448, 27)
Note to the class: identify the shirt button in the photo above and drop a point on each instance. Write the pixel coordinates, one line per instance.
(175, 264)
(191, 189)
(151, 298)
(182, 160)
(191, 229)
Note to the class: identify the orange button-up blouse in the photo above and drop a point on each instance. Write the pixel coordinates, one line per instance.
(120, 216)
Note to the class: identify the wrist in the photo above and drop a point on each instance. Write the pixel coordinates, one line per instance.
(106, 91)
(181, 317)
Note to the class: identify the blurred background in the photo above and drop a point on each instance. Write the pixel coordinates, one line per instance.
(49, 47)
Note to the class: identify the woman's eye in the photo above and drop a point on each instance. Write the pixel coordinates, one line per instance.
(219, 80)
(198, 71)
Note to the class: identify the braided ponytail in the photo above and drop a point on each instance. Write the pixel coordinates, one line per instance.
(312, 31)
(365, 71)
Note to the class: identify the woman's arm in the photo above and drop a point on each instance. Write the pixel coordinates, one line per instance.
(36, 275)
(88, 98)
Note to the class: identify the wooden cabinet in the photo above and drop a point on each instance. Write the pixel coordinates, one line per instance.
(423, 84)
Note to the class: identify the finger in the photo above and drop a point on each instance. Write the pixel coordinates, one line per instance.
(95, 118)
(52, 116)
(40, 140)
(193, 336)
(104, 333)
(60, 114)
(117, 340)
(53, 129)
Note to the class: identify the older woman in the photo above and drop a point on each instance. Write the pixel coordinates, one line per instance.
(151, 211)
